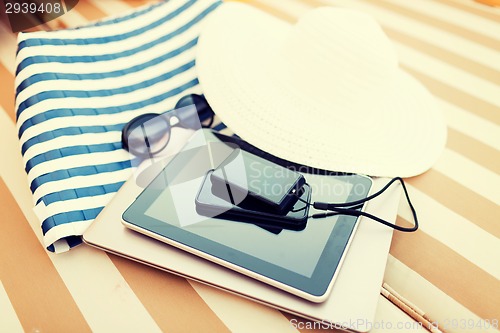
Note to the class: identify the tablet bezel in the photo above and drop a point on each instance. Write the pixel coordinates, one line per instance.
(315, 288)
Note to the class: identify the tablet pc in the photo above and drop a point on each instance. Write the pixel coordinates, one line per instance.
(304, 263)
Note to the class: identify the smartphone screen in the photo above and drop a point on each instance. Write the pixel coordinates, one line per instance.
(211, 205)
(244, 175)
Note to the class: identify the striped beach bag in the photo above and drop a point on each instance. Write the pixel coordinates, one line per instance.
(77, 88)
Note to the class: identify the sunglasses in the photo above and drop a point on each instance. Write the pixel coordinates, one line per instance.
(148, 134)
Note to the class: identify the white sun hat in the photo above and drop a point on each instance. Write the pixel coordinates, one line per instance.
(326, 92)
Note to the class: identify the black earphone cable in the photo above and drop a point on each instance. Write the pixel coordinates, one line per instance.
(352, 208)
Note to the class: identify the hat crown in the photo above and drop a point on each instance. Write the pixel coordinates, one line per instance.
(339, 57)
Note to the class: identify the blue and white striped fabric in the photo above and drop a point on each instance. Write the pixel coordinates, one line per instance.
(75, 90)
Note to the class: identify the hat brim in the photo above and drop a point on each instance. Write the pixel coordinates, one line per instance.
(235, 50)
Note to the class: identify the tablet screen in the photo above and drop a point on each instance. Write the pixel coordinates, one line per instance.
(305, 260)
(297, 251)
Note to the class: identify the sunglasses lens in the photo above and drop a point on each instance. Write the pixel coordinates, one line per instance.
(146, 135)
(201, 110)
(188, 117)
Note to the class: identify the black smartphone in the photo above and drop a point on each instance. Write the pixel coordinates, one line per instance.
(245, 176)
(211, 205)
